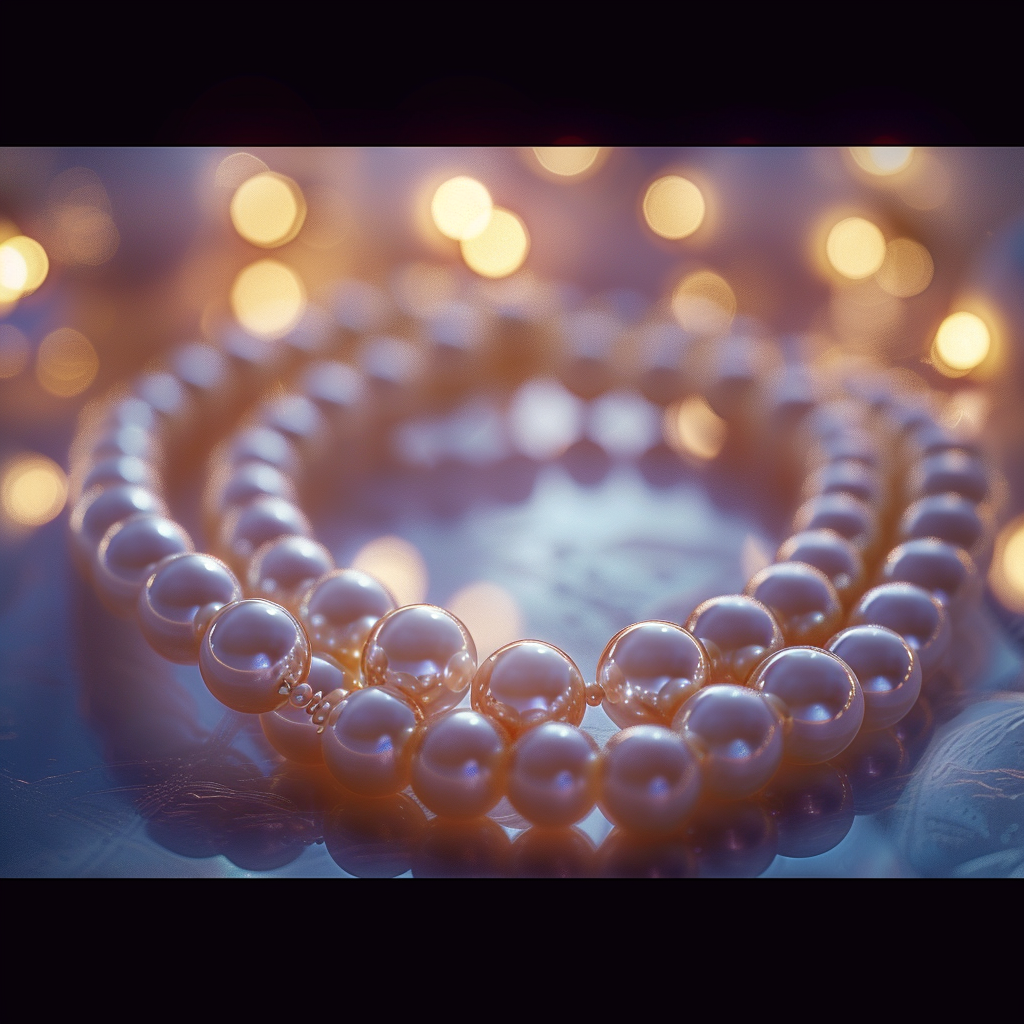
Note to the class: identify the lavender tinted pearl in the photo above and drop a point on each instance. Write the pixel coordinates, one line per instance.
(650, 779)
(943, 569)
(737, 632)
(339, 611)
(834, 555)
(129, 552)
(284, 569)
(423, 653)
(252, 655)
(554, 775)
(367, 743)
(528, 682)
(846, 476)
(297, 418)
(261, 444)
(98, 509)
(947, 517)
(164, 393)
(263, 519)
(848, 516)
(739, 735)
(179, 599)
(459, 764)
(812, 806)
(802, 599)
(115, 442)
(914, 613)
(237, 484)
(887, 668)
(648, 670)
(951, 472)
(117, 470)
(822, 697)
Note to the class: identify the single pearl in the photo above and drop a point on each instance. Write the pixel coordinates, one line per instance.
(951, 472)
(528, 682)
(261, 444)
(297, 418)
(165, 394)
(947, 517)
(170, 603)
(877, 766)
(252, 655)
(914, 613)
(117, 470)
(283, 569)
(833, 554)
(204, 370)
(648, 670)
(943, 569)
(98, 509)
(422, 652)
(459, 764)
(739, 735)
(338, 389)
(650, 779)
(237, 484)
(245, 528)
(553, 853)
(812, 805)
(119, 441)
(848, 516)
(850, 444)
(367, 743)
(733, 840)
(846, 476)
(737, 632)
(553, 775)
(887, 668)
(803, 601)
(339, 611)
(128, 554)
(822, 698)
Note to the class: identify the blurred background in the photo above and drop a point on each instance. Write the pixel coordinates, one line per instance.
(110, 258)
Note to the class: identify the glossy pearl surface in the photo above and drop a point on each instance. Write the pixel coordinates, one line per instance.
(848, 516)
(129, 552)
(118, 470)
(283, 569)
(737, 633)
(951, 472)
(98, 509)
(233, 485)
(422, 652)
(943, 569)
(459, 764)
(367, 743)
(948, 517)
(252, 655)
(834, 555)
(553, 775)
(529, 682)
(245, 528)
(170, 603)
(339, 611)
(739, 735)
(261, 444)
(812, 806)
(888, 670)
(650, 779)
(823, 701)
(802, 599)
(648, 670)
(914, 613)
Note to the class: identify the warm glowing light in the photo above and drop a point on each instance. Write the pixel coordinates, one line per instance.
(461, 208)
(490, 614)
(882, 160)
(501, 248)
(23, 264)
(907, 269)
(33, 490)
(566, 161)
(694, 428)
(268, 209)
(14, 351)
(268, 298)
(855, 247)
(704, 303)
(397, 564)
(967, 412)
(673, 207)
(66, 363)
(1006, 573)
(961, 343)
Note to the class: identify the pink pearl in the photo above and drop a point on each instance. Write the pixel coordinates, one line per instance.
(283, 569)
(529, 682)
(423, 653)
(252, 655)
(648, 670)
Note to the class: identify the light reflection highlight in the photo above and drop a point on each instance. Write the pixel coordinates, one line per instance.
(907, 268)
(961, 344)
(268, 209)
(566, 161)
(855, 247)
(882, 160)
(461, 208)
(500, 249)
(693, 428)
(268, 299)
(33, 491)
(489, 613)
(397, 564)
(704, 303)
(673, 207)
(1006, 573)
(23, 265)
(66, 363)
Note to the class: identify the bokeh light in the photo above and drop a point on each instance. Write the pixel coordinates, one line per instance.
(66, 363)
(14, 351)
(693, 428)
(501, 248)
(461, 208)
(544, 418)
(23, 265)
(674, 207)
(81, 228)
(882, 160)
(268, 209)
(397, 564)
(907, 268)
(566, 161)
(1006, 572)
(489, 613)
(703, 302)
(233, 170)
(268, 298)
(32, 491)
(962, 342)
(855, 247)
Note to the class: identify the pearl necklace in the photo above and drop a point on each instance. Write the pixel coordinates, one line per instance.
(341, 675)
